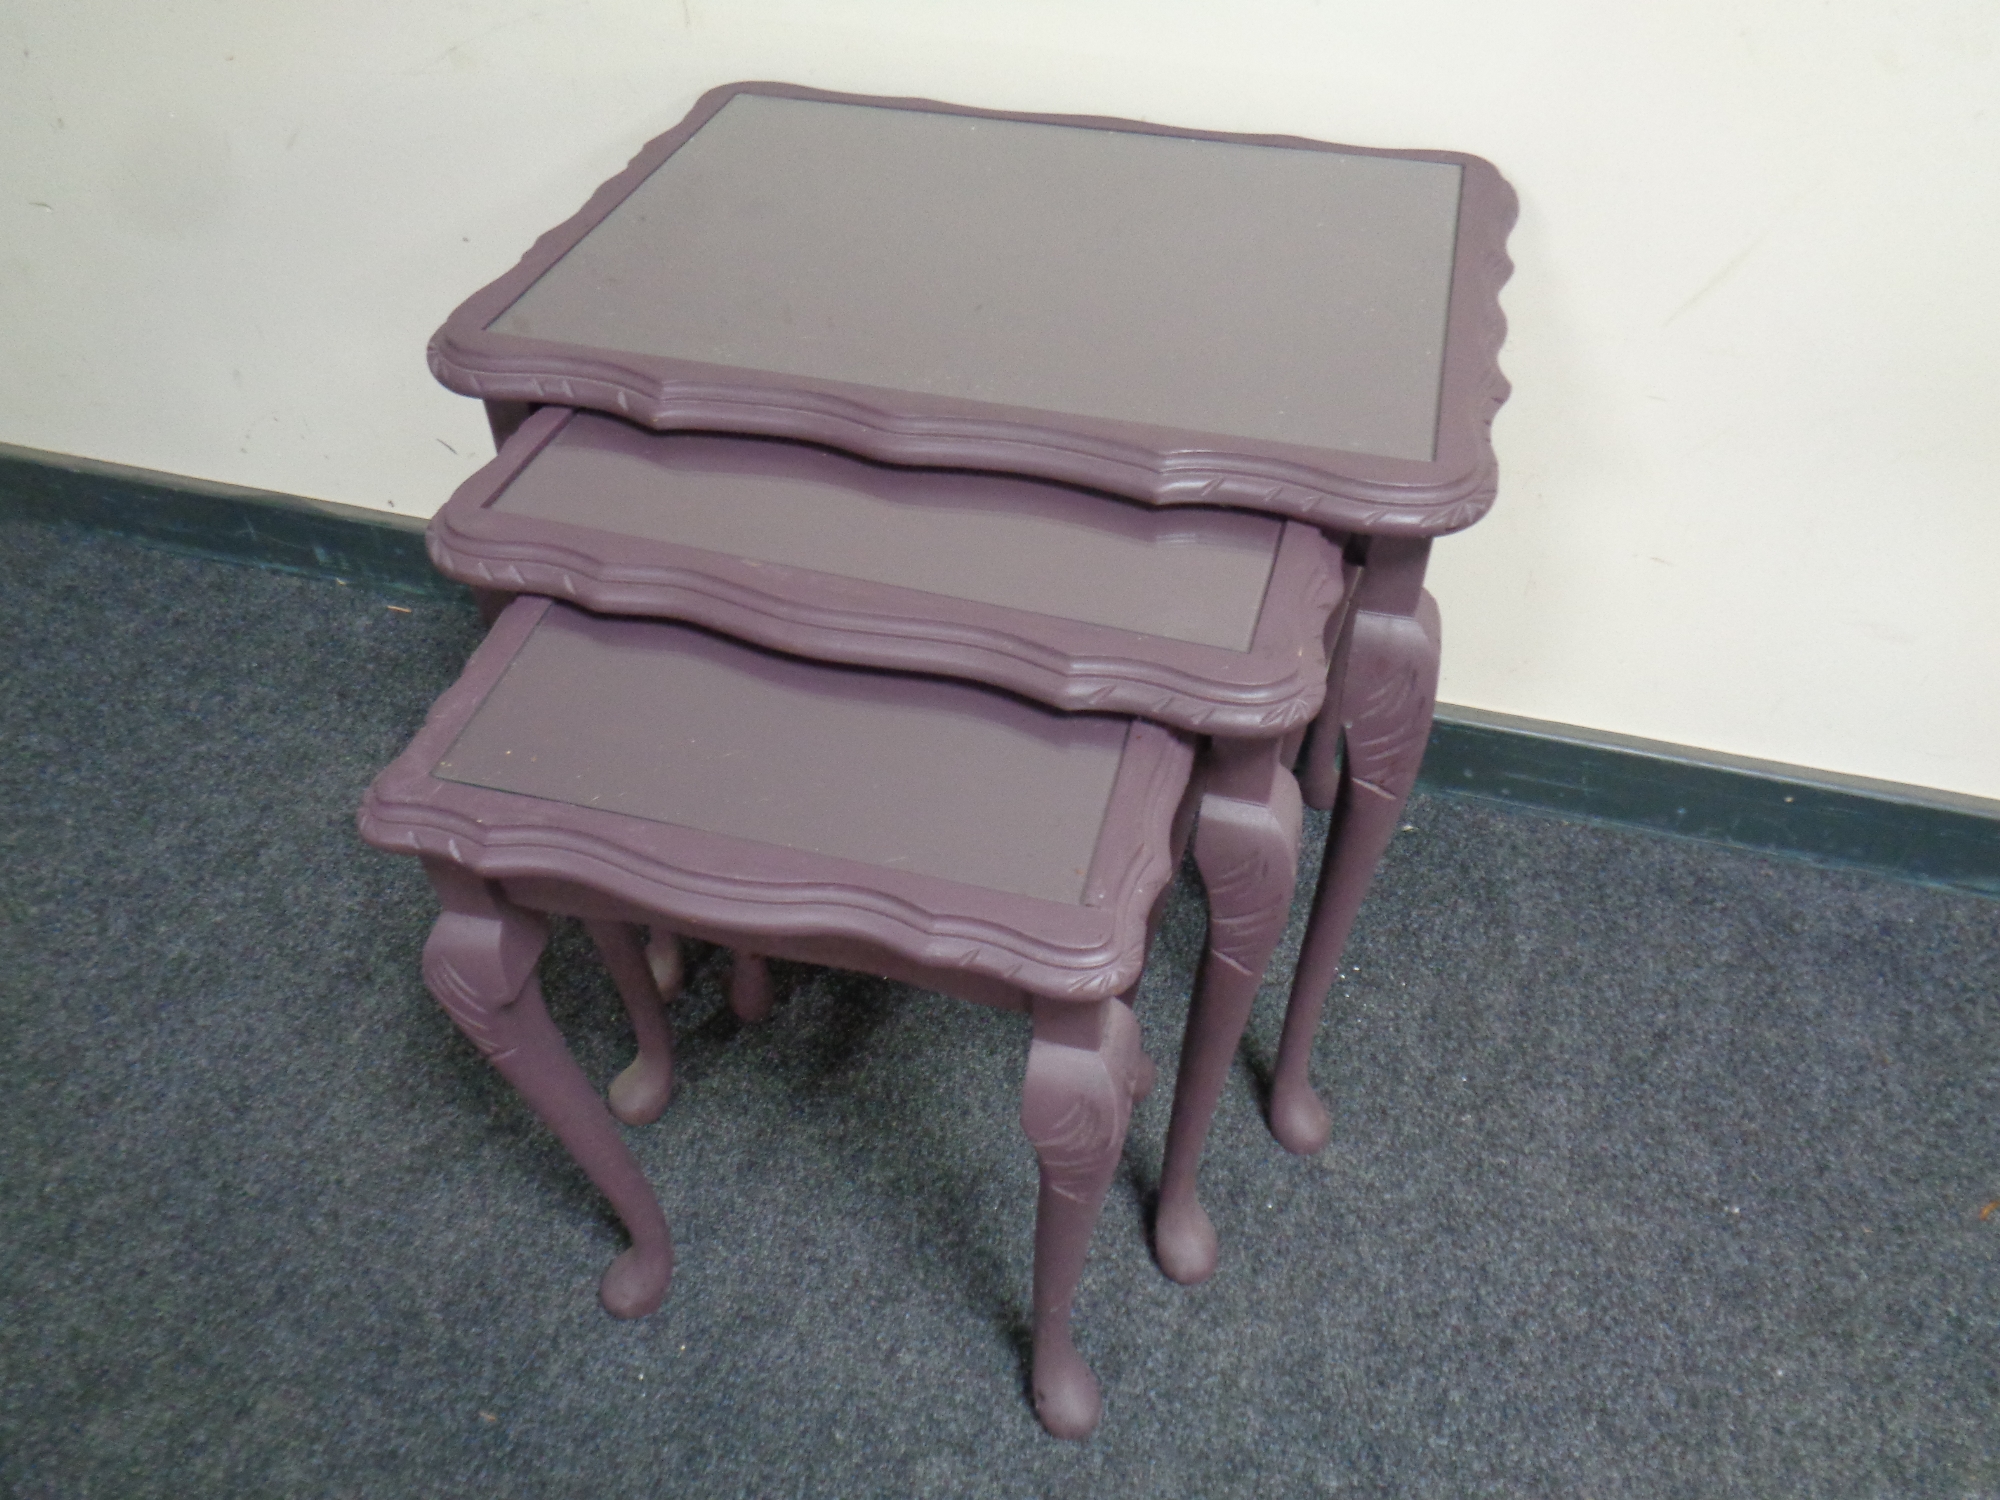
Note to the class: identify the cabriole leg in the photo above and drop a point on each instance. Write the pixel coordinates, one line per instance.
(640, 1093)
(1180, 832)
(750, 994)
(1319, 767)
(663, 958)
(1083, 1070)
(480, 964)
(1247, 848)
(1391, 691)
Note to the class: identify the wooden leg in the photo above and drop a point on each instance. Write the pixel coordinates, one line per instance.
(663, 958)
(1182, 829)
(480, 964)
(750, 993)
(1145, 1073)
(1247, 847)
(1392, 677)
(1319, 769)
(1083, 1070)
(640, 1093)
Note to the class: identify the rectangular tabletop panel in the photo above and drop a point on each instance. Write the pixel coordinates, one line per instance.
(1194, 575)
(1284, 295)
(666, 723)
(1181, 317)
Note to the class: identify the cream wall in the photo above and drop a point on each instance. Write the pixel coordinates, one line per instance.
(1747, 498)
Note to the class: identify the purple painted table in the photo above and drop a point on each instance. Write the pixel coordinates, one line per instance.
(1181, 318)
(633, 772)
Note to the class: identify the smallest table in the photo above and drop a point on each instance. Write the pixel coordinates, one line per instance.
(637, 773)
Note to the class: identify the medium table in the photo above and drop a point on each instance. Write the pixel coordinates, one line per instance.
(1209, 621)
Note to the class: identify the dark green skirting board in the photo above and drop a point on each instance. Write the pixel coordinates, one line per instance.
(1938, 838)
(221, 521)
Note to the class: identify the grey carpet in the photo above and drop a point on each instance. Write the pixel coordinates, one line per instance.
(1657, 1168)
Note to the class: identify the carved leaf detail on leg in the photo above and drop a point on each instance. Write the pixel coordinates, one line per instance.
(1072, 1145)
(475, 964)
(1394, 664)
(1249, 902)
(454, 991)
(1076, 1102)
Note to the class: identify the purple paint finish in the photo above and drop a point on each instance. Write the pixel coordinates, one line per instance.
(1195, 576)
(501, 859)
(1213, 621)
(1100, 302)
(926, 284)
(765, 888)
(885, 770)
